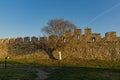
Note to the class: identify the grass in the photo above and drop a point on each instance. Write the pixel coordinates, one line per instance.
(17, 74)
(79, 73)
(76, 69)
(65, 63)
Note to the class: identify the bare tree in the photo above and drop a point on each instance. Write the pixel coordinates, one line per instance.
(58, 27)
(55, 29)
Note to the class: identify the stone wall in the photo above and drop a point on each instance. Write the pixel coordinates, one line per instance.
(77, 36)
(90, 45)
(74, 45)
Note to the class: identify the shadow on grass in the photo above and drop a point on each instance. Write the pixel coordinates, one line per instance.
(83, 73)
(17, 74)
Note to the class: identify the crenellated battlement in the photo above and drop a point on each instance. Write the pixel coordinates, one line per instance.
(78, 45)
(20, 40)
(88, 36)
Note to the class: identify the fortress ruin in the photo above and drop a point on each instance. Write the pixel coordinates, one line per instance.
(75, 45)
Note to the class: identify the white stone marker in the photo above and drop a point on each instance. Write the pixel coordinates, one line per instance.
(60, 58)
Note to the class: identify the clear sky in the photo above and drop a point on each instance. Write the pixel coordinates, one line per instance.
(27, 17)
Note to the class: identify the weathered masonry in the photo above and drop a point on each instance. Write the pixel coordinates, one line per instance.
(75, 45)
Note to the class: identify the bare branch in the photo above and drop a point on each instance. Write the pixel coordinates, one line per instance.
(58, 27)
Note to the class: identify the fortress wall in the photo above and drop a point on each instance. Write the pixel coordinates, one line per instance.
(26, 39)
(43, 39)
(34, 40)
(88, 31)
(19, 40)
(88, 35)
(78, 45)
(78, 34)
(68, 33)
(68, 36)
(118, 38)
(11, 40)
(102, 51)
(111, 36)
(96, 37)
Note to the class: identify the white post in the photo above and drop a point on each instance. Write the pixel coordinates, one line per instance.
(60, 58)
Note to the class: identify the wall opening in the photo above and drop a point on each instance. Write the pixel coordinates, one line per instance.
(78, 36)
(64, 40)
(93, 39)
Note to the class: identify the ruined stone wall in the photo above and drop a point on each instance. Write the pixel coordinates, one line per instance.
(111, 36)
(74, 45)
(105, 50)
(88, 35)
(19, 46)
(91, 45)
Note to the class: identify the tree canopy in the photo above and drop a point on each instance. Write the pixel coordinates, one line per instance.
(58, 27)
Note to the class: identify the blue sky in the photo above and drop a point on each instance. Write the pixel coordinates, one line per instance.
(27, 17)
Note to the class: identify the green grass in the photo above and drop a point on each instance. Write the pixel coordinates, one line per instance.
(76, 69)
(65, 63)
(17, 74)
(79, 73)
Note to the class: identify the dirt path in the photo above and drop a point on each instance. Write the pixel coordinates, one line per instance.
(42, 74)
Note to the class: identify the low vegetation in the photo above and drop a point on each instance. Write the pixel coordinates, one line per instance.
(17, 74)
(79, 73)
(74, 69)
(65, 63)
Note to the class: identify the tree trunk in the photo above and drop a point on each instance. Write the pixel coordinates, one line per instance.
(50, 53)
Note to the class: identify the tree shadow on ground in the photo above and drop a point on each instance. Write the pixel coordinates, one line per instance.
(84, 73)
